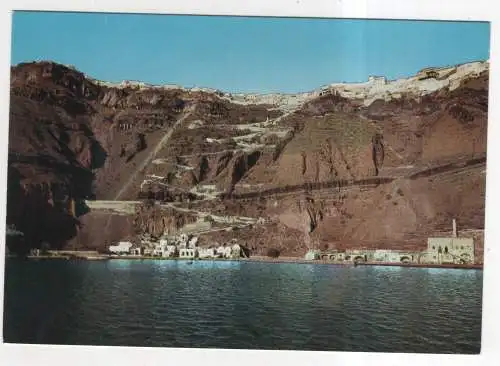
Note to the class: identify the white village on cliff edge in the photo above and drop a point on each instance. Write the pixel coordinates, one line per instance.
(440, 250)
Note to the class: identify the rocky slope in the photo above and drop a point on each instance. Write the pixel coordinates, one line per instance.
(382, 163)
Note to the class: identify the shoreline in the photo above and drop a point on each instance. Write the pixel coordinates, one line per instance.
(352, 264)
(425, 265)
(262, 259)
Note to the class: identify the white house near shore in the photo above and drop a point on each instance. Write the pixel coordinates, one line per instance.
(163, 249)
(224, 251)
(187, 253)
(123, 247)
(440, 250)
(236, 251)
(158, 250)
(183, 246)
(169, 251)
(182, 241)
(137, 251)
(148, 251)
(207, 253)
(312, 255)
(193, 242)
(449, 250)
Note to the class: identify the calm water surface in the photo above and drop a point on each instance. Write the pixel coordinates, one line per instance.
(243, 305)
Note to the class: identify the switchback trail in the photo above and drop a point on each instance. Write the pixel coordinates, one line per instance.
(147, 160)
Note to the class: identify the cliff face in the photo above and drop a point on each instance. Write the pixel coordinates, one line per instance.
(157, 222)
(52, 152)
(331, 168)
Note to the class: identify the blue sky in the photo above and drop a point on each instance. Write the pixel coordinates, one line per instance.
(243, 54)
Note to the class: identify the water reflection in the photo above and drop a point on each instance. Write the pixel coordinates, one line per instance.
(121, 264)
(243, 305)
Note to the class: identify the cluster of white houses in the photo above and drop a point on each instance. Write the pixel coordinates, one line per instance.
(182, 246)
(446, 250)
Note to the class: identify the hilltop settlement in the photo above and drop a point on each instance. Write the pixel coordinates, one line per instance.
(350, 172)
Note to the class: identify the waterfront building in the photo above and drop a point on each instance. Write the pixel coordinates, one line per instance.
(224, 251)
(340, 256)
(192, 242)
(358, 255)
(207, 252)
(395, 256)
(332, 255)
(170, 251)
(235, 251)
(123, 247)
(183, 240)
(158, 250)
(220, 251)
(312, 255)
(440, 250)
(364, 255)
(337, 256)
(165, 250)
(137, 251)
(449, 249)
(187, 253)
(164, 247)
(148, 251)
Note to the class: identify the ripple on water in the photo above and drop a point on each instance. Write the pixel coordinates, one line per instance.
(245, 305)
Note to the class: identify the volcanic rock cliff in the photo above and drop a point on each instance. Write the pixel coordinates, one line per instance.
(384, 163)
